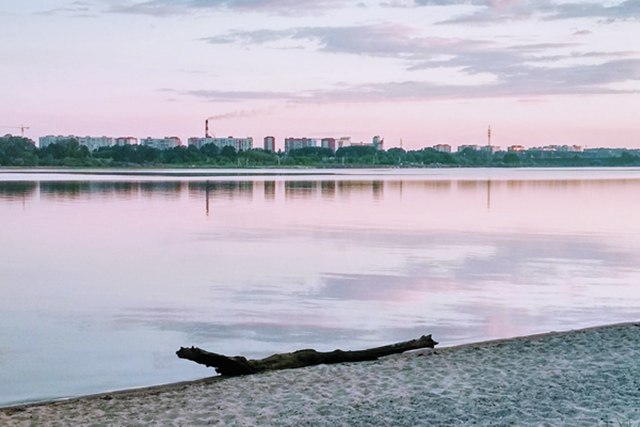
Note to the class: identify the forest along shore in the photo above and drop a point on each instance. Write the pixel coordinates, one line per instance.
(585, 377)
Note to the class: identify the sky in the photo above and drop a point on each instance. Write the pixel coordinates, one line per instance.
(417, 72)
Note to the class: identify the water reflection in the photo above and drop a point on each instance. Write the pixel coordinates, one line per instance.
(16, 190)
(269, 190)
(300, 189)
(328, 189)
(257, 265)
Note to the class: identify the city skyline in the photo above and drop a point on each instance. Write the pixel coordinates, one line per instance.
(424, 71)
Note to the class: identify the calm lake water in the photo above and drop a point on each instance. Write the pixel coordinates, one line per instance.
(104, 276)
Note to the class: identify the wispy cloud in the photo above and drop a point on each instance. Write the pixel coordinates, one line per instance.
(231, 96)
(490, 11)
(419, 52)
(371, 40)
(77, 8)
(179, 7)
(516, 82)
(513, 81)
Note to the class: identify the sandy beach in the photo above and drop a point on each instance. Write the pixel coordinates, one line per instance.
(589, 377)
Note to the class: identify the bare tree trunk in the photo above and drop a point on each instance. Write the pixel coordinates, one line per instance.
(238, 365)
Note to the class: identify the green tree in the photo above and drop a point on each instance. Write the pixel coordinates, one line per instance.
(17, 151)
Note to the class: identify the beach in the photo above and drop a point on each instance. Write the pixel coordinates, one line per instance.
(587, 377)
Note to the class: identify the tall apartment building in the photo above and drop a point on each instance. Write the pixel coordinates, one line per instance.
(44, 141)
(126, 140)
(297, 143)
(329, 143)
(270, 143)
(344, 141)
(473, 147)
(95, 142)
(240, 144)
(161, 143)
(91, 142)
(378, 142)
(443, 148)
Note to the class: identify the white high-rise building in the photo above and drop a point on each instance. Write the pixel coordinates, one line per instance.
(298, 143)
(44, 141)
(161, 143)
(240, 144)
(95, 142)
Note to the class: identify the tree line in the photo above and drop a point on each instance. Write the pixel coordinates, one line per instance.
(19, 151)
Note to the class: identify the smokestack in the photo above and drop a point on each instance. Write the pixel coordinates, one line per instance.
(206, 129)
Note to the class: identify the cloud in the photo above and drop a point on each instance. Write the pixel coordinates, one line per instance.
(372, 40)
(629, 9)
(490, 11)
(230, 96)
(514, 80)
(77, 8)
(518, 69)
(513, 69)
(178, 7)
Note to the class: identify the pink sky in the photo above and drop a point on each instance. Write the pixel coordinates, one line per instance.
(424, 71)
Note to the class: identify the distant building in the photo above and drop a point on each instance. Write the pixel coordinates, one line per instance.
(298, 143)
(470, 147)
(378, 142)
(570, 148)
(91, 142)
(443, 148)
(270, 143)
(344, 141)
(515, 148)
(329, 143)
(560, 148)
(161, 143)
(44, 141)
(126, 140)
(95, 142)
(240, 144)
(490, 148)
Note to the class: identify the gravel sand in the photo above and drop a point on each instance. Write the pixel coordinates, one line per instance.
(589, 377)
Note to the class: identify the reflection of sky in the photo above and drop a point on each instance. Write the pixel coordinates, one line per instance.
(127, 271)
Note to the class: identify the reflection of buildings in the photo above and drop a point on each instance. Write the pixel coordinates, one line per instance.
(328, 189)
(278, 190)
(269, 190)
(11, 190)
(377, 188)
(299, 189)
(222, 189)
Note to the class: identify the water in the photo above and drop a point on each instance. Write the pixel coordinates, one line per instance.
(104, 276)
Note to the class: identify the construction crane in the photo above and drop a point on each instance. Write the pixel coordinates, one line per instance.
(22, 128)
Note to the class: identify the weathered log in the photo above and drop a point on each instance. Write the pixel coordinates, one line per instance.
(238, 365)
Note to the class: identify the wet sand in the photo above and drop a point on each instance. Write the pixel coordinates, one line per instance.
(589, 377)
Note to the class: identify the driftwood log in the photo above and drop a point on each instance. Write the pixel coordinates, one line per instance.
(238, 365)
